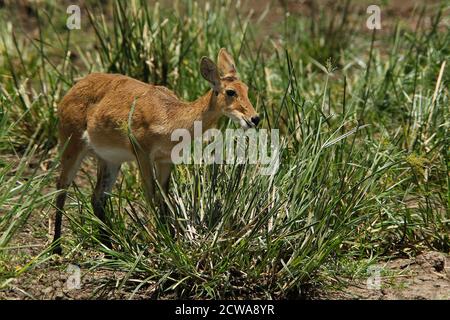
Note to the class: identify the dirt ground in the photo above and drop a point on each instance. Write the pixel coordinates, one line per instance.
(425, 277)
(415, 279)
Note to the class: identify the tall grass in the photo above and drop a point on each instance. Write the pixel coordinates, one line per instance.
(364, 165)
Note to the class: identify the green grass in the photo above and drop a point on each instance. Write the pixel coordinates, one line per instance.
(364, 171)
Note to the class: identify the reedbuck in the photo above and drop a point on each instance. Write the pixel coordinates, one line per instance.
(92, 117)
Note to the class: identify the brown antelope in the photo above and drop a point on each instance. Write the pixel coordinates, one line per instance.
(92, 117)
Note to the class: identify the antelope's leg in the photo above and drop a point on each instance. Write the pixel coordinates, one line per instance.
(71, 159)
(147, 172)
(163, 171)
(106, 177)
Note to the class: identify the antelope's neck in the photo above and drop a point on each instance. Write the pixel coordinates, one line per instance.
(206, 110)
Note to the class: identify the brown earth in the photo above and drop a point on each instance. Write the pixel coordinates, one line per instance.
(423, 277)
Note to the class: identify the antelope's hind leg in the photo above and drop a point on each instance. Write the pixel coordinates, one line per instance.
(71, 159)
(106, 177)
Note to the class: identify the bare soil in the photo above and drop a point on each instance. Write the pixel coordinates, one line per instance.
(425, 277)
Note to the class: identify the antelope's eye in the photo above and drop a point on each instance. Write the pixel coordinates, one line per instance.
(230, 93)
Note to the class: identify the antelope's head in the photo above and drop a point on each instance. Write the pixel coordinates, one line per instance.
(231, 92)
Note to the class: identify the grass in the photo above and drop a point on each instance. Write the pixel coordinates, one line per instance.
(364, 171)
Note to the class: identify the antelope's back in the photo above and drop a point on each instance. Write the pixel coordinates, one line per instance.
(87, 93)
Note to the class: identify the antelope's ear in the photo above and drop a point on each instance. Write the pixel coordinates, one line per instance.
(209, 71)
(227, 67)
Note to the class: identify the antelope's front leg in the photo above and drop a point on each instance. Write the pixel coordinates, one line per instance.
(146, 169)
(163, 170)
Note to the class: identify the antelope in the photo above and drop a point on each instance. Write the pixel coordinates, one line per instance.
(93, 113)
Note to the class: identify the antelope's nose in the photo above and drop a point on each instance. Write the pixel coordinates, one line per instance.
(255, 120)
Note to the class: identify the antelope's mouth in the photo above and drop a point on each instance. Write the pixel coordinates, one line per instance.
(249, 124)
(241, 120)
(244, 123)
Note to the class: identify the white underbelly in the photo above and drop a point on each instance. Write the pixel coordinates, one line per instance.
(110, 154)
(116, 155)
